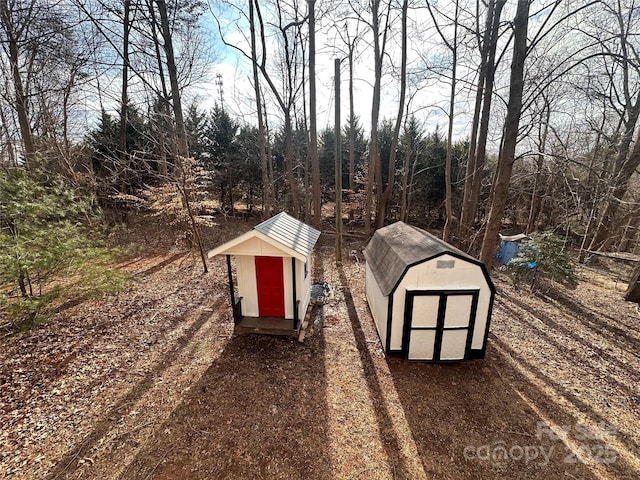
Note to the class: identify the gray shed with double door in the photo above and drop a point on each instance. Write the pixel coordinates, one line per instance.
(429, 300)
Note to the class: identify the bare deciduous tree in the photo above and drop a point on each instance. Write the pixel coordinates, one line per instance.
(510, 134)
(313, 133)
(267, 177)
(481, 116)
(374, 175)
(452, 46)
(386, 194)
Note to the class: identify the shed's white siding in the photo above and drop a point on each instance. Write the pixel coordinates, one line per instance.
(424, 276)
(378, 304)
(247, 287)
(288, 287)
(304, 286)
(254, 246)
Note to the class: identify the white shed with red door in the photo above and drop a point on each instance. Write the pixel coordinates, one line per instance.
(272, 287)
(429, 300)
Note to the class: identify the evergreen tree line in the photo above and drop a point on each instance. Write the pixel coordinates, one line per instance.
(226, 152)
(561, 190)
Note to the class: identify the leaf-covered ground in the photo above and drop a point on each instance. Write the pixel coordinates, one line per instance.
(152, 384)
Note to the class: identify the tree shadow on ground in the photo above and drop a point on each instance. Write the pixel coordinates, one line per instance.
(551, 406)
(66, 466)
(388, 434)
(625, 335)
(160, 265)
(468, 423)
(603, 361)
(259, 411)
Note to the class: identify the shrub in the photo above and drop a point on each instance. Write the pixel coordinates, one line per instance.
(544, 253)
(50, 245)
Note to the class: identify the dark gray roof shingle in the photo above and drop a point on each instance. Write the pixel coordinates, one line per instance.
(395, 247)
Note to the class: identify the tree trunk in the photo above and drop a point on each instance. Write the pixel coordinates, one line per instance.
(633, 290)
(620, 184)
(535, 196)
(352, 124)
(22, 104)
(163, 102)
(22, 285)
(630, 233)
(266, 184)
(180, 132)
(412, 177)
(269, 149)
(302, 172)
(374, 147)
(338, 164)
(284, 104)
(447, 168)
(586, 239)
(471, 201)
(626, 162)
(510, 135)
(10, 147)
(404, 199)
(536, 201)
(386, 195)
(122, 153)
(313, 134)
(125, 79)
(181, 136)
(288, 153)
(352, 136)
(465, 222)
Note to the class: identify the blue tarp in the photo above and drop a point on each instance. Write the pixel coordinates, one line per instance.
(507, 251)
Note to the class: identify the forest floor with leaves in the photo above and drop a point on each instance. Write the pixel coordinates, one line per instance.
(152, 383)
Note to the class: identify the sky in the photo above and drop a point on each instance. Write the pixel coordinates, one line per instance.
(429, 67)
(430, 102)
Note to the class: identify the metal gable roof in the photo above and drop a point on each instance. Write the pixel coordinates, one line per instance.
(396, 247)
(290, 232)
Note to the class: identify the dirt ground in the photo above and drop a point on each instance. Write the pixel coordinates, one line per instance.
(152, 384)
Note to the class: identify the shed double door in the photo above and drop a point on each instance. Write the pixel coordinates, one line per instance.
(439, 324)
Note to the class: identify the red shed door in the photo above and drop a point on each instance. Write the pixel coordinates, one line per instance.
(270, 283)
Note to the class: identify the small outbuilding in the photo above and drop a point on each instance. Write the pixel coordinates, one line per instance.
(272, 269)
(429, 300)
